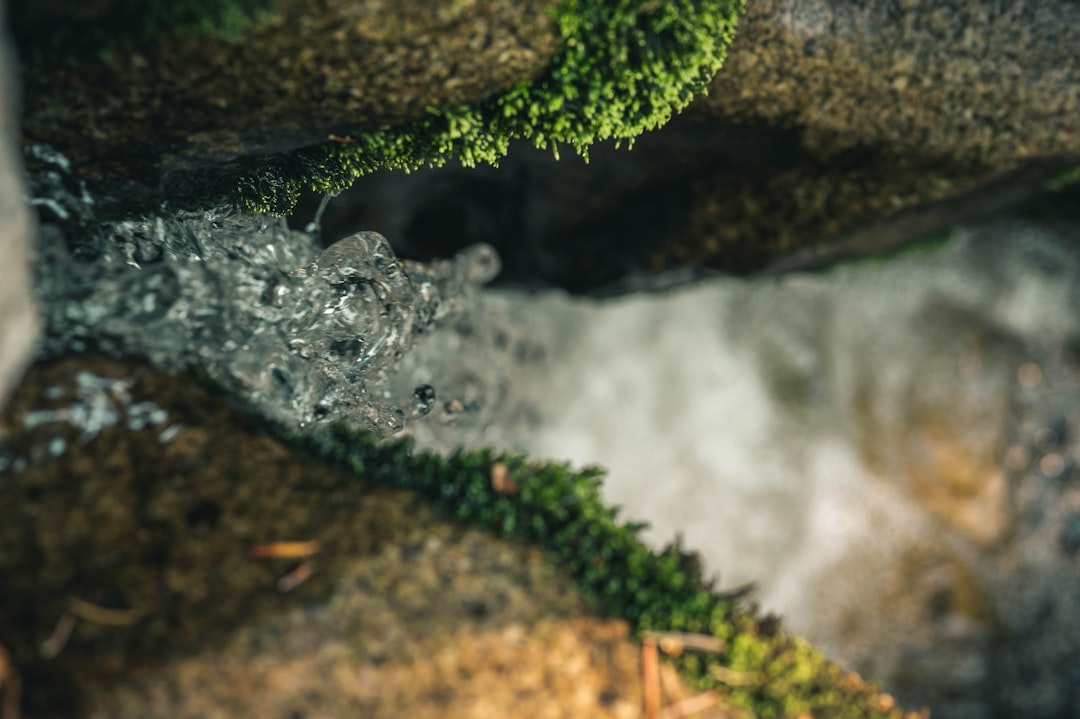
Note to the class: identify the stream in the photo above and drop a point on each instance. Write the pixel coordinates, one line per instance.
(887, 451)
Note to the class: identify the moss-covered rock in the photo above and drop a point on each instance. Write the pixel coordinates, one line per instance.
(621, 69)
(143, 521)
(246, 114)
(101, 24)
(177, 115)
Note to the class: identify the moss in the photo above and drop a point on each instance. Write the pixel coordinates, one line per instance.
(760, 669)
(1063, 180)
(103, 25)
(222, 19)
(216, 18)
(623, 68)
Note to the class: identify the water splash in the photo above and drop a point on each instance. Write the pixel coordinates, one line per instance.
(307, 337)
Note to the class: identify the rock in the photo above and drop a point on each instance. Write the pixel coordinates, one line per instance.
(565, 75)
(825, 118)
(135, 504)
(18, 316)
(167, 115)
(888, 107)
(162, 555)
(970, 82)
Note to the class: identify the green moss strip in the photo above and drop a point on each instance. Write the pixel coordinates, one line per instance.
(105, 26)
(761, 669)
(624, 67)
(223, 19)
(1063, 180)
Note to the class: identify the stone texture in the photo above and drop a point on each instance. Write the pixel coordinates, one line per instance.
(893, 105)
(826, 116)
(975, 81)
(154, 118)
(146, 495)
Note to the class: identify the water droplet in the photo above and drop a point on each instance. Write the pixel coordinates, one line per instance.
(479, 263)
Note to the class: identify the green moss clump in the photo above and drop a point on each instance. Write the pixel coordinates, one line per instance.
(624, 67)
(223, 19)
(760, 669)
(105, 28)
(1063, 180)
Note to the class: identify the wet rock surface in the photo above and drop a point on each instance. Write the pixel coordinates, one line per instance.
(825, 117)
(138, 521)
(161, 117)
(977, 80)
(894, 105)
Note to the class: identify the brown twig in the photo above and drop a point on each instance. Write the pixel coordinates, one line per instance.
(501, 481)
(51, 647)
(284, 550)
(674, 643)
(297, 576)
(103, 615)
(650, 678)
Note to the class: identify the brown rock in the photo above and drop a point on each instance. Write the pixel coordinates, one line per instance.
(891, 107)
(145, 515)
(163, 109)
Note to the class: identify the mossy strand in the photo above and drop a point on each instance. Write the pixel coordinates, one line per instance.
(562, 511)
(102, 27)
(224, 19)
(624, 67)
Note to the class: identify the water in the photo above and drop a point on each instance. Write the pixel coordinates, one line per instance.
(305, 336)
(889, 452)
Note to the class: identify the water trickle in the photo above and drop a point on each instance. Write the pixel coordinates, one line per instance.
(98, 403)
(306, 336)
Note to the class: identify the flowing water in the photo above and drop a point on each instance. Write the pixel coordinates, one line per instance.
(305, 336)
(887, 451)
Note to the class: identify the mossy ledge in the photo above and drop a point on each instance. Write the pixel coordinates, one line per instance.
(761, 669)
(623, 68)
